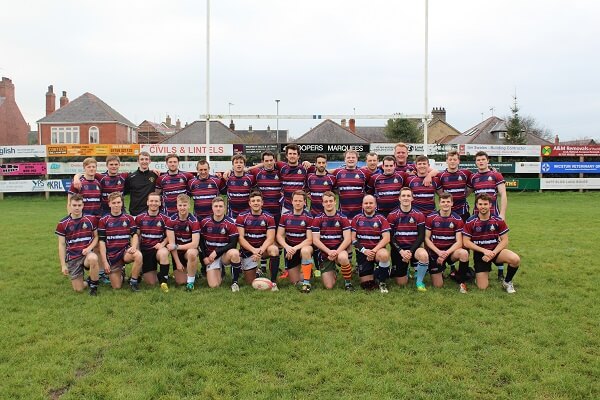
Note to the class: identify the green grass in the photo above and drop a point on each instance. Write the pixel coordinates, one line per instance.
(541, 343)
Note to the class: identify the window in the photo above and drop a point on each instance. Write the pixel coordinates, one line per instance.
(64, 134)
(501, 135)
(94, 135)
(131, 135)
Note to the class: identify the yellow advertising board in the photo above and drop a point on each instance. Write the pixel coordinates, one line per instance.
(92, 150)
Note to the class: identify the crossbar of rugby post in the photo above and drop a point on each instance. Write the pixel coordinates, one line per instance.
(319, 116)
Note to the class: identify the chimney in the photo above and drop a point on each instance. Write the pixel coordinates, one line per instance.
(268, 128)
(439, 113)
(168, 121)
(63, 99)
(7, 89)
(231, 125)
(352, 125)
(556, 141)
(343, 123)
(178, 124)
(50, 100)
(250, 128)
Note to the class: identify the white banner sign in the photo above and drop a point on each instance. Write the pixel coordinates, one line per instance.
(188, 149)
(34, 185)
(22, 151)
(501, 150)
(385, 149)
(527, 167)
(570, 183)
(76, 167)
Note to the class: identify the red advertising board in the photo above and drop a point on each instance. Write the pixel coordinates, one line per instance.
(570, 151)
(14, 169)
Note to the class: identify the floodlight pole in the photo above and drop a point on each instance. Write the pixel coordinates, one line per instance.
(277, 129)
(426, 111)
(207, 79)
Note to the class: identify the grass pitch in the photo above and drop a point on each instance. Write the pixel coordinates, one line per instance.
(541, 343)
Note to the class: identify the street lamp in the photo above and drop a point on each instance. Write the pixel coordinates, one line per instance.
(277, 129)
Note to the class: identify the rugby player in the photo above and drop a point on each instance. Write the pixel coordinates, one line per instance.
(423, 194)
(171, 184)
(386, 186)
(351, 184)
(238, 187)
(317, 183)
(203, 188)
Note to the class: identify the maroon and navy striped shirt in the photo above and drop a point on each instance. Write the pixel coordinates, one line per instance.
(455, 183)
(151, 229)
(91, 190)
(238, 193)
(78, 234)
(386, 189)
(116, 232)
(172, 185)
(369, 230)
(485, 234)
(216, 234)
(443, 229)
(293, 178)
(295, 226)
(405, 226)
(487, 182)
(423, 196)
(351, 184)
(317, 185)
(255, 228)
(110, 184)
(202, 192)
(270, 185)
(183, 229)
(330, 229)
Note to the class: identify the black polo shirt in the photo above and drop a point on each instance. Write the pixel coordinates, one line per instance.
(139, 185)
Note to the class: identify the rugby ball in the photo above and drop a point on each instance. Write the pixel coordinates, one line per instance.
(262, 284)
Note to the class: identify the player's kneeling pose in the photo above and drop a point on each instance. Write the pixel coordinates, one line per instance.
(77, 237)
(295, 236)
(256, 230)
(218, 241)
(487, 236)
(443, 238)
(331, 238)
(119, 244)
(183, 235)
(370, 235)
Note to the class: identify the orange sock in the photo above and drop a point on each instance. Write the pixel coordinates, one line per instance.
(347, 272)
(306, 271)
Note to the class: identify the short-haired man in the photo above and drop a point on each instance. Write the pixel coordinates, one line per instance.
(183, 235)
(269, 183)
(77, 237)
(351, 183)
(203, 188)
(487, 235)
(293, 174)
(295, 237)
(401, 157)
(386, 186)
(119, 244)
(139, 184)
(171, 184)
(372, 164)
(256, 230)
(319, 182)
(489, 181)
(424, 195)
(218, 242)
(238, 185)
(331, 236)
(408, 233)
(443, 238)
(152, 231)
(454, 180)
(370, 236)
(90, 189)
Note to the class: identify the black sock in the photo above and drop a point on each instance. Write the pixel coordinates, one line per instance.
(163, 274)
(510, 273)
(92, 284)
(463, 267)
(274, 266)
(382, 274)
(236, 269)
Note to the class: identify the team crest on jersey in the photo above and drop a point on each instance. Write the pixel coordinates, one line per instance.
(325, 183)
(490, 178)
(302, 223)
(375, 225)
(337, 224)
(360, 223)
(125, 224)
(395, 180)
(262, 223)
(159, 224)
(460, 178)
(84, 226)
(180, 180)
(451, 226)
(209, 186)
(437, 224)
(411, 220)
(276, 177)
(299, 172)
(478, 229)
(223, 231)
(492, 228)
(245, 183)
(357, 176)
(151, 179)
(187, 228)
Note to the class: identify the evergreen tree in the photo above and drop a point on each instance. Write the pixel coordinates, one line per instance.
(403, 130)
(515, 134)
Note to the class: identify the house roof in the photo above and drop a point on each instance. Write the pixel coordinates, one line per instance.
(330, 132)
(159, 127)
(262, 136)
(487, 132)
(86, 108)
(196, 133)
(579, 142)
(372, 134)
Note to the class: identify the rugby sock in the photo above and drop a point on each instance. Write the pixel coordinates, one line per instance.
(163, 274)
(306, 271)
(191, 279)
(236, 269)
(133, 281)
(93, 284)
(421, 271)
(347, 273)
(500, 268)
(382, 272)
(263, 265)
(463, 267)
(274, 267)
(510, 273)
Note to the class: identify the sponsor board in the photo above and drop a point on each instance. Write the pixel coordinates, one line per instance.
(188, 149)
(570, 167)
(22, 151)
(523, 183)
(523, 167)
(570, 183)
(329, 148)
(34, 185)
(253, 148)
(385, 149)
(76, 167)
(501, 150)
(92, 150)
(21, 169)
(570, 151)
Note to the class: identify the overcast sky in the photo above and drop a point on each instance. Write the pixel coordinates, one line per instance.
(147, 58)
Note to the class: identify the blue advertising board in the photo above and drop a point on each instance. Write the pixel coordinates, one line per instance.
(570, 167)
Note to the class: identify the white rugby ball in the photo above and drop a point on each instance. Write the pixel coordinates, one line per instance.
(262, 284)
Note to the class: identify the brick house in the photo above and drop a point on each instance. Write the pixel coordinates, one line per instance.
(13, 128)
(85, 120)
